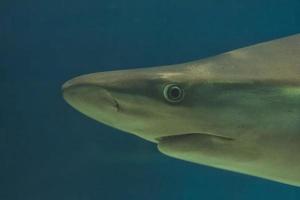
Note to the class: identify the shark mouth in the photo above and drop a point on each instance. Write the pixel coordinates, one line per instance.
(186, 135)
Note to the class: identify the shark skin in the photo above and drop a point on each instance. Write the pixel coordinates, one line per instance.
(237, 111)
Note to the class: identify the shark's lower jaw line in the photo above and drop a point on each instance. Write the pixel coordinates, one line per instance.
(160, 139)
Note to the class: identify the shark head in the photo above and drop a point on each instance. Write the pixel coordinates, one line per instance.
(237, 111)
(150, 103)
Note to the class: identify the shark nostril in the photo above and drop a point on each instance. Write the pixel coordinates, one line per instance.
(114, 101)
(117, 105)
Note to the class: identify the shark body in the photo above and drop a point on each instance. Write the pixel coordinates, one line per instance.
(238, 111)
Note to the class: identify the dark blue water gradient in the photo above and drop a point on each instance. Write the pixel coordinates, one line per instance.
(49, 151)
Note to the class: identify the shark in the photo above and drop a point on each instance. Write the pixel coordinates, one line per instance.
(237, 111)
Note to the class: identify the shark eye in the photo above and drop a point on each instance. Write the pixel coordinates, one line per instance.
(173, 93)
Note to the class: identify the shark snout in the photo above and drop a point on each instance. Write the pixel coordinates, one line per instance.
(88, 96)
(89, 79)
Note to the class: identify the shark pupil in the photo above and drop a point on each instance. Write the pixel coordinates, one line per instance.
(173, 93)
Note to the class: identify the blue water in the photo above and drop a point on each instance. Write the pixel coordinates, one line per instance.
(50, 151)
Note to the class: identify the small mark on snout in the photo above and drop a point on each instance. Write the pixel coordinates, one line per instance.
(114, 101)
(117, 105)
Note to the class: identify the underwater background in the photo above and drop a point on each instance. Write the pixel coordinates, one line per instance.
(50, 151)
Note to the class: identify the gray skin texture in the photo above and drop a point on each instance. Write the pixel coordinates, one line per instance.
(240, 112)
